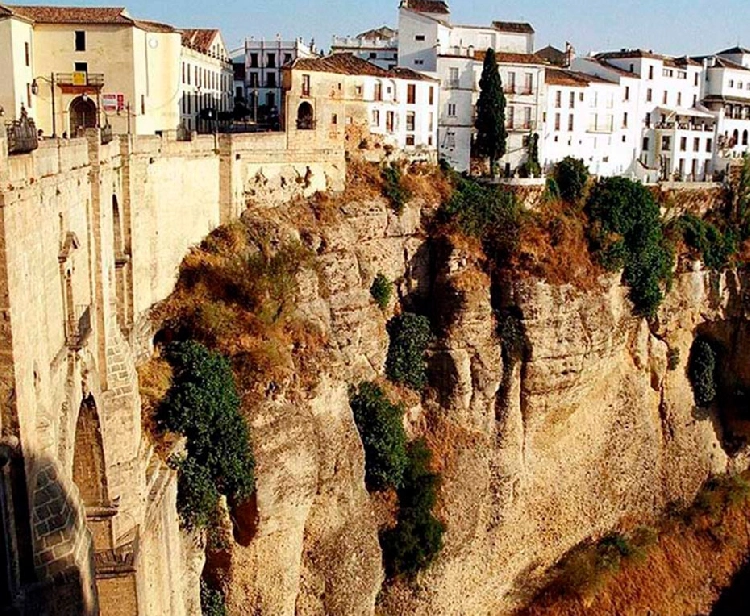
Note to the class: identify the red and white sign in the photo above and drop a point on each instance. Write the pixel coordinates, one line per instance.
(113, 102)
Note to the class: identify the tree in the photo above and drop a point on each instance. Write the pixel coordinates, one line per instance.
(490, 124)
(571, 176)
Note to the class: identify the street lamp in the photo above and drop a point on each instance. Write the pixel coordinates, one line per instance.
(35, 90)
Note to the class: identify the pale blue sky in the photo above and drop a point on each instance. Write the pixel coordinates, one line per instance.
(667, 26)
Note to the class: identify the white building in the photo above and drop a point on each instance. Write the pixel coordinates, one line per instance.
(671, 134)
(584, 119)
(263, 62)
(726, 92)
(378, 46)
(207, 77)
(428, 42)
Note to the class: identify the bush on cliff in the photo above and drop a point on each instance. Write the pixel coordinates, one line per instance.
(394, 188)
(212, 601)
(203, 405)
(381, 428)
(409, 336)
(571, 176)
(714, 246)
(702, 372)
(381, 291)
(417, 538)
(626, 233)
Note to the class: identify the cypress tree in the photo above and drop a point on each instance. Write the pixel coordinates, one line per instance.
(490, 123)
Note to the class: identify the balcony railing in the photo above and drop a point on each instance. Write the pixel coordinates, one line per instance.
(684, 126)
(22, 135)
(79, 327)
(91, 80)
(106, 134)
(510, 89)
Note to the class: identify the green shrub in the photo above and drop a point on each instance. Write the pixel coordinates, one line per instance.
(702, 372)
(212, 601)
(626, 232)
(571, 175)
(409, 336)
(715, 247)
(203, 405)
(393, 188)
(381, 428)
(478, 209)
(381, 291)
(512, 336)
(673, 359)
(551, 190)
(417, 538)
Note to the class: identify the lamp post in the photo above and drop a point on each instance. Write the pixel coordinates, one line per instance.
(35, 90)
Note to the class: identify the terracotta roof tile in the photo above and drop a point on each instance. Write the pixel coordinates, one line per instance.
(153, 26)
(72, 14)
(198, 38)
(514, 27)
(563, 77)
(437, 7)
(407, 73)
(503, 57)
(340, 63)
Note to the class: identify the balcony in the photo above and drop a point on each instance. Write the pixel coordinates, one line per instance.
(22, 135)
(510, 89)
(80, 79)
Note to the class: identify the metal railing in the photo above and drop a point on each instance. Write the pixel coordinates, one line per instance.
(305, 124)
(106, 134)
(22, 135)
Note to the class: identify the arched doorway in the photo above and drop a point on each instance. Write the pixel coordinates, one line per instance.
(82, 114)
(305, 117)
(89, 471)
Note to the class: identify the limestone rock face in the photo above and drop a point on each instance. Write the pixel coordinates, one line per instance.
(585, 426)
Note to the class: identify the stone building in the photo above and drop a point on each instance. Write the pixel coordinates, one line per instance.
(74, 68)
(377, 111)
(207, 79)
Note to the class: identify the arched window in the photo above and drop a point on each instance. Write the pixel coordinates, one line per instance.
(735, 137)
(305, 119)
(744, 137)
(89, 471)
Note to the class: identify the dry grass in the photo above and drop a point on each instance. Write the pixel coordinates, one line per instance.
(698, 551)
(554, 247)
(154, 380)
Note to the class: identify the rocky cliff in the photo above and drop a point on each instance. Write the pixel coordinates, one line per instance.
(580, 422)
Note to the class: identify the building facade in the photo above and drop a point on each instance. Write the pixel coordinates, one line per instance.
(377, 112)
(378, 46)
(263, 63)
(207, 79)
(76, 68)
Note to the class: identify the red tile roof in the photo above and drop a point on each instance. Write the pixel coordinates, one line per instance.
(437, 7)
(407, 73)
(563, 77)
(72, 14)
(199, 39)
(503, 57)
(348, 64)
(514, 27)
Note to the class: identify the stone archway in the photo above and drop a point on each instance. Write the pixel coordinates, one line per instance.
(305, 117)
(89, 470)
(83, 114)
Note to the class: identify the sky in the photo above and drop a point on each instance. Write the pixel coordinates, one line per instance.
(675, 27)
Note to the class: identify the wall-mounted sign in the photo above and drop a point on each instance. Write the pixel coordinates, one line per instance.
(79, 78)
(113, 102)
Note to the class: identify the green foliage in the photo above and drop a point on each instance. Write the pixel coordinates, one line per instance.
(511, 332)
(410, 334)
(551, 190)
(393, 188)
(491, 135)
(571, 175)
(702, 372)
(715, 247)
(417, 538)
(478, 209)
(203, 405)
(381, 291)
(673, 359)
(381, 428)
(212, 601)
(741, 201)
(531, 168)
(626, 232)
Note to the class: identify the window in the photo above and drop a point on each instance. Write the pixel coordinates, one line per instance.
(143, 104)
(527, 118)
(696, 144)
(373, 55)
(80, 40)
(625, 120)
(679, 99)
(557, 121)
(418, 62)
(627, 93)
(28, 95)
(451, 110)
(409, 139)
(709, 145)
(390, 121)
(253, 60)
(431, 95)
(27, 53)
(238, 93)
(287, 58)
(683, 144)
(528, 83)
(81, 67)
(376, 117)
(696, 79)
(649, 95)
(646, 144)
(572, 100)
(378, 91)
(511, 116)
(453, 77)
(419, 37)
(511, 87)
(632, 68)
(271, 60)
(253, 80)
(666, 144)
(731, 83)
(650, 72)
(664, 98)
(558, 99)
(271, 80)
(410, 121)
(334, 119)
(571, 123)
(411, 94)
(647, 120)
